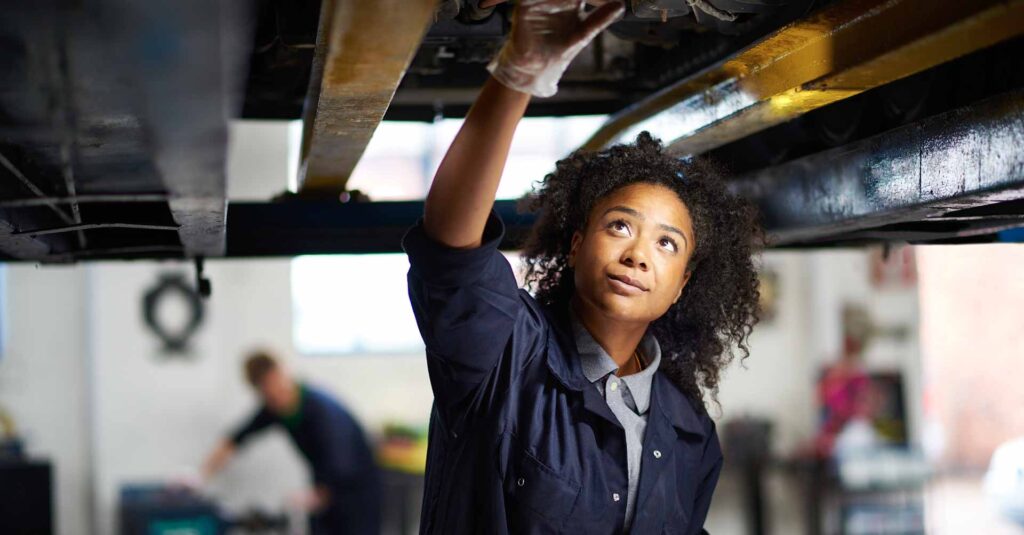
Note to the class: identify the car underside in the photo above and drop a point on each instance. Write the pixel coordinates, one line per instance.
(849, 122)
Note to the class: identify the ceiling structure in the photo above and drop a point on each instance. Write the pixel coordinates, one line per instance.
(849, 121)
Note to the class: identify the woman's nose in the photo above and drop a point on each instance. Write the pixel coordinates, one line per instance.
(635, 258)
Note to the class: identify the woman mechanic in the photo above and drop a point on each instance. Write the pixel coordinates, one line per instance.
(576, 405)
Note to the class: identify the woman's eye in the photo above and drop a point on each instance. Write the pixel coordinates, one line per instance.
(668, 244)
(619, 226)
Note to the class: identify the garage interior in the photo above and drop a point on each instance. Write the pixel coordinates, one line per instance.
(182, 182)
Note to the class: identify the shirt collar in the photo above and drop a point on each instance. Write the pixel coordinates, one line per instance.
(676, 408)
(596, 363)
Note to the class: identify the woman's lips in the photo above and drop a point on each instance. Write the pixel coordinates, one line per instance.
(625, 285)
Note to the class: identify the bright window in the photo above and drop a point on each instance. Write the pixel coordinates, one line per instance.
(353, 304)
(402, 157)
(357, 304)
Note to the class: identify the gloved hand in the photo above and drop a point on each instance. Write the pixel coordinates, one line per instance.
(546, 36)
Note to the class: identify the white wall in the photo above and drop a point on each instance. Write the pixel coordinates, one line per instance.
(42, 380)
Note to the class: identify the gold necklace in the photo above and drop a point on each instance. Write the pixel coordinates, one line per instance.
(639, 364)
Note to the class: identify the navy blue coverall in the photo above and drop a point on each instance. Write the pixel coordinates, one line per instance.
(520, 441)
(335, 446)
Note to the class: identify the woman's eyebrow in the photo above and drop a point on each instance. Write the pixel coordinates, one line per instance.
(624, 209)
(670, 228)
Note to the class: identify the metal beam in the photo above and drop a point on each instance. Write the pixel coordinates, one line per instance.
(300, 227)
(363, 50)
(838, 52)
(284, 229)
(904, 181)
(91, 226)
(157, 252)
(85, 199)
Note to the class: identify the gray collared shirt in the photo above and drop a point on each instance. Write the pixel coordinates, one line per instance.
(628, 397)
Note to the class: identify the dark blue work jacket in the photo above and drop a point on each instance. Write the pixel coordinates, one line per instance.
(520, 441)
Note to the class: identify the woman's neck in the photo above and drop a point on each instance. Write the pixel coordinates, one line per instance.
(618, 338)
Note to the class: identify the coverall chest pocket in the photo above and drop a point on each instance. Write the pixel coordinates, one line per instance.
(540, 500)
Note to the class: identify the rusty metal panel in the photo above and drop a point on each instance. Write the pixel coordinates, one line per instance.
(363, 50)
(110, 100)
(186, 60)
(843, 50)
(920, 176)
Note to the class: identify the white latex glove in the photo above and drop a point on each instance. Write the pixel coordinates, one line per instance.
(546, 36)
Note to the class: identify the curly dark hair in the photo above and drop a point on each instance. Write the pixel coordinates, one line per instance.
(719, 305)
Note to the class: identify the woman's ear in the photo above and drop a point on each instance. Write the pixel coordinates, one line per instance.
(686, 279)
(574, 247)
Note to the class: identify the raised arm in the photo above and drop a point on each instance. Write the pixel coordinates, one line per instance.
(465, 184)
(546, 35)
(462, 290)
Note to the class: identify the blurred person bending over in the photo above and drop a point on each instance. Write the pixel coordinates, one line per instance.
(345, 498)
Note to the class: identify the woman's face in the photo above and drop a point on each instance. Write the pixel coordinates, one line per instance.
(630, 260)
